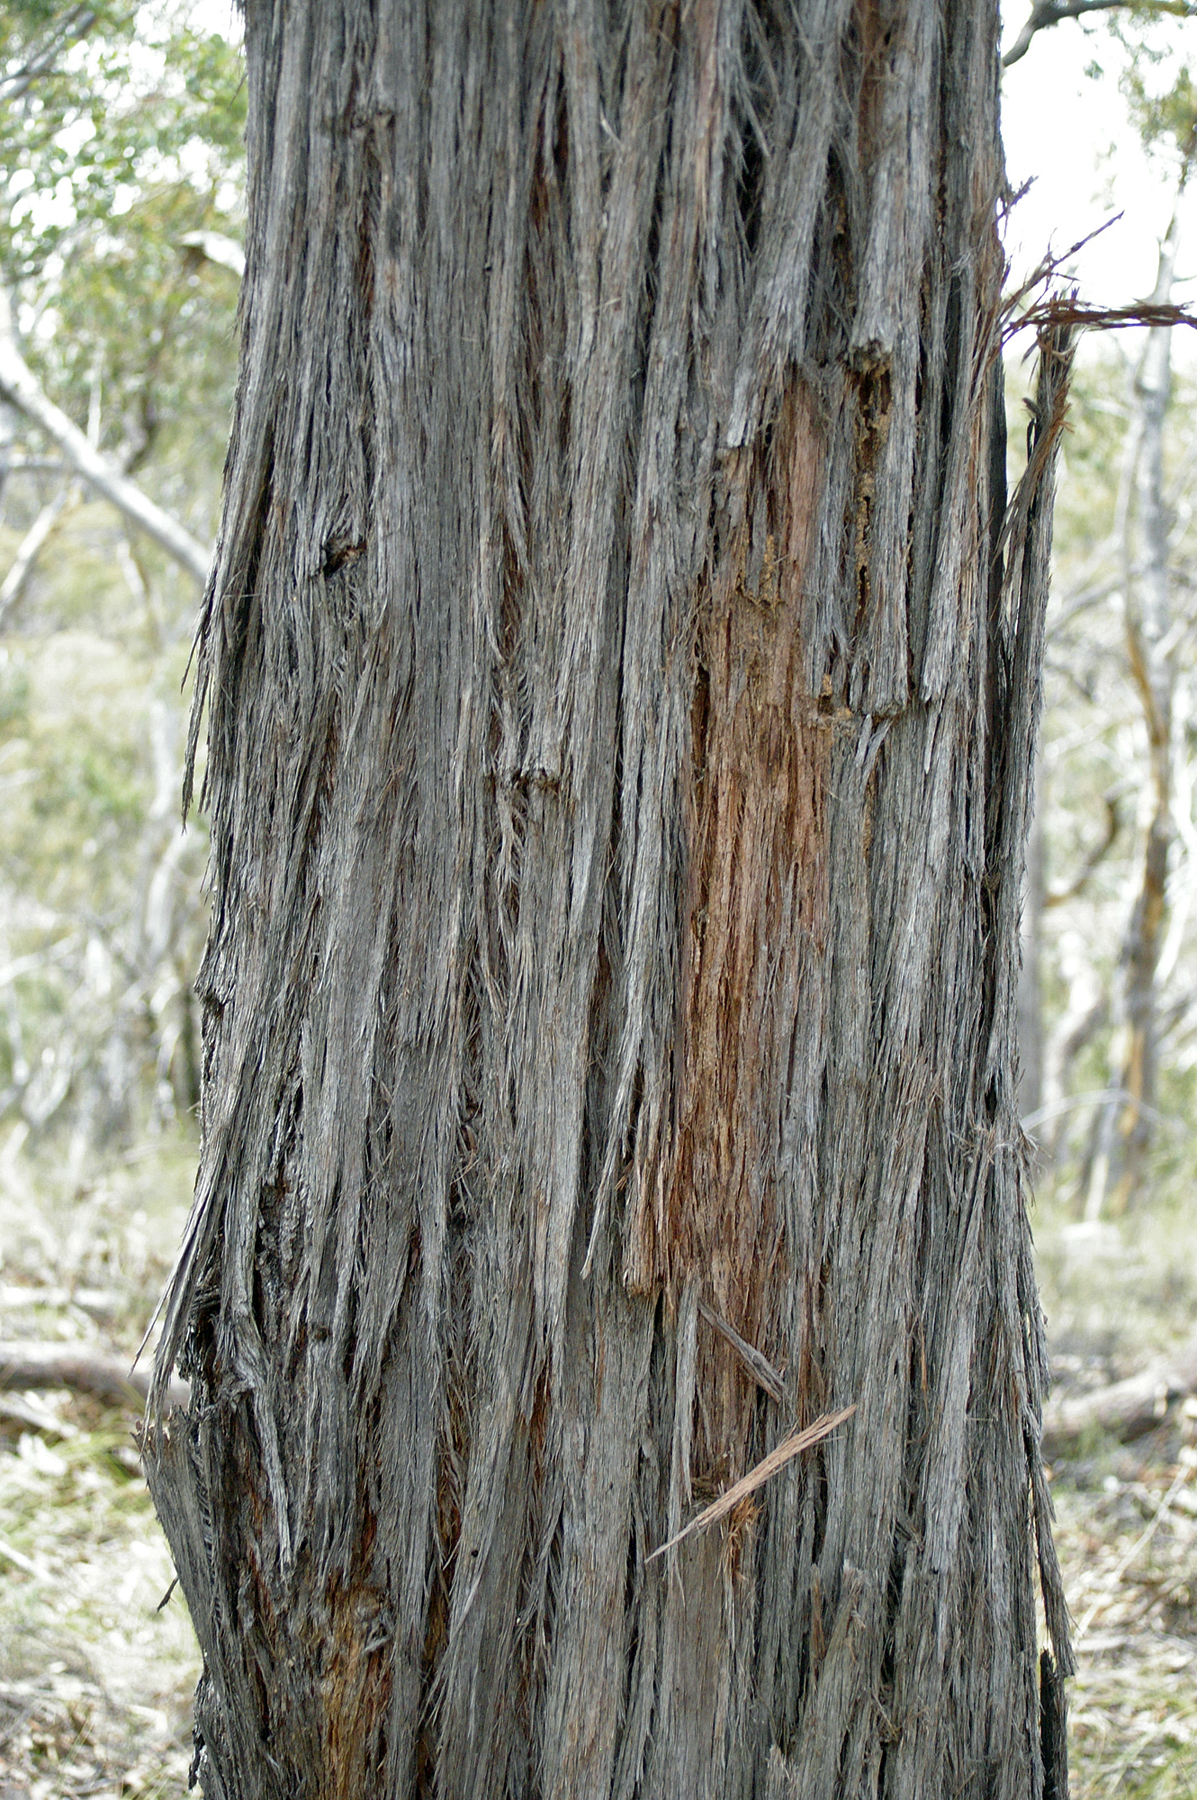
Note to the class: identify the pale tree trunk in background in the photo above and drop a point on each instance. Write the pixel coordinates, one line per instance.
(1030, 985)
(1126, 1126)
(623, 670)
(19, 387)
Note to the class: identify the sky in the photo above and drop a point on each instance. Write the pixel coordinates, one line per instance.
(1070, 135)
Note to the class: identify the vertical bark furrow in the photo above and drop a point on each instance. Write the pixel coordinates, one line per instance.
(622, 679)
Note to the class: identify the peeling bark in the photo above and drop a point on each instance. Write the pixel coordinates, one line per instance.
(622, 667)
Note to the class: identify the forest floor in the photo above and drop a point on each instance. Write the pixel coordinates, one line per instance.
(1127, 1534)
(1117, 1296)
(96, 1674)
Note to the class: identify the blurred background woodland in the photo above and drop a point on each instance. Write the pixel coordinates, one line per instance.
(121, 182)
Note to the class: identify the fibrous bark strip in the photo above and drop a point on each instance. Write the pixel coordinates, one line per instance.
(622, 669)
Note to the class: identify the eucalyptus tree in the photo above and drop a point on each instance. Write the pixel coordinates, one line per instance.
(119, 142)
(1125, 1127)
(1146, 526)
(1115, 915)
(621, 664)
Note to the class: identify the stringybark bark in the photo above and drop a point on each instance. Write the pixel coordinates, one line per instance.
(622, 667)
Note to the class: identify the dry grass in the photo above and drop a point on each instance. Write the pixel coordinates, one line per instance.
(1117, 1295)
(1128, 1539)
(96, 1681)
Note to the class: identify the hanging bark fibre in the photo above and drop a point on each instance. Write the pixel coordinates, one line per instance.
(621, 665)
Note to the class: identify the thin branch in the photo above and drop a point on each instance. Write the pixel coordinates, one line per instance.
(757, 1364)
(51, 517)
(30, 548)
(1066, 309)
(1060, 896)
(1055, 1109)
(20, 386)
(1046, 13)
(75, 25)
(19, 1560)
(1103, 1600)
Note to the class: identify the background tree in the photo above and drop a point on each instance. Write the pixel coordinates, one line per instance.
(119, 137)
(622, 666)
(1152, 634)
(1045, 13)
(117, 147)
(1120, 1009)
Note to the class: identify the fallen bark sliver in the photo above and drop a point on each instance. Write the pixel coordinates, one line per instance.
(81, 1369)
(755, 1478)
(1127, 1408)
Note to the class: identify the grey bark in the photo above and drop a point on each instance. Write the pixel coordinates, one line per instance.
(622, 667)
(1030, 987)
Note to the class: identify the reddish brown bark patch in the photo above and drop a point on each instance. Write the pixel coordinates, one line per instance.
(757, 907)
(355, 1690)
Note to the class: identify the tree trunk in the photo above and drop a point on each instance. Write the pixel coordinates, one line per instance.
(1030, 981)
(1127, 1126)
(622, 670)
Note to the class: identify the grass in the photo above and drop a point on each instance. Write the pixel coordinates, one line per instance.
(1127, 1535)
(1118, 1294)
(95, 1680)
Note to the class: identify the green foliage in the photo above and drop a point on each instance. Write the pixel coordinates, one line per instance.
(137, 101)
(125, 145)
(120, 137)
(14, 694)
(1155, 79)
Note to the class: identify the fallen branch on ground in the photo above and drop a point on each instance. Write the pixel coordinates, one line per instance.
(1126, 1409)
(82, 1370)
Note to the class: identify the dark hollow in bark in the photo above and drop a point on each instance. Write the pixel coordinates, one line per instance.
(622, 667)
